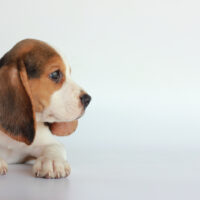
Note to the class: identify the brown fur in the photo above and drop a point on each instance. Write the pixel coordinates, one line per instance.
(25, 86)
(43, 88)
(16, 111)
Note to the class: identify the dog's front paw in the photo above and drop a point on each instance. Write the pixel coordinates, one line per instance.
(3, 167)
(46, 167)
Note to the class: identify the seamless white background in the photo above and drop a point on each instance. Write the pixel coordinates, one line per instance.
(139, 60)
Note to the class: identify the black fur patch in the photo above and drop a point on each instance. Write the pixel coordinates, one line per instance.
(16, 111)
(6, 60)
(36, 59)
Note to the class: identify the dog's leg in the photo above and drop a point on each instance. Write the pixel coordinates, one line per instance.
(52, 163)
(51, 155)
(3, 167)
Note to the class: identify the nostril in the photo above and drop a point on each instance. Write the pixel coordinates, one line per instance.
(85, 100)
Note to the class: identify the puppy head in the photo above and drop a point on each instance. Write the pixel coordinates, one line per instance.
(35, 85)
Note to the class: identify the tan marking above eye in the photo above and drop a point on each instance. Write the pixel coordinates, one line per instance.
(43, 88)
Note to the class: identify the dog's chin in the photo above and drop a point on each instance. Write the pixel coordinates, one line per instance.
(74, 118)
(54, 118)
(81, 115)
(82, 112)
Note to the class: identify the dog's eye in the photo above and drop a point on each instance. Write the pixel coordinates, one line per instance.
(56, 76)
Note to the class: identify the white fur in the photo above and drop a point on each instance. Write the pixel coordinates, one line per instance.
(65, 104)
(51, 155)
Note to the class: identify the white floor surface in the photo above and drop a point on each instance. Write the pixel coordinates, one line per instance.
(145, 173)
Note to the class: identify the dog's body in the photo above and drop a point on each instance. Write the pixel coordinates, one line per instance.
(45, 147)
(35, 89)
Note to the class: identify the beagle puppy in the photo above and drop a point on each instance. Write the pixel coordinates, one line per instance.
(37, 99)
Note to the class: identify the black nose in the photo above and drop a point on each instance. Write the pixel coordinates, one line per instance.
(85, 100)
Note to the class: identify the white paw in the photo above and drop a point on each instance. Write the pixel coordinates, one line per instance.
(3, 167)
(46, 167)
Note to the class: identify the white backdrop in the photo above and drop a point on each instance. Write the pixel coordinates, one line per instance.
(139, 60)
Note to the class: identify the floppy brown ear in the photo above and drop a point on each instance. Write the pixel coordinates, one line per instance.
(16, 108)
(63, 128)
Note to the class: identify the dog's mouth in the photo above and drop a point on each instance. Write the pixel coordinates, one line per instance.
(52, 118)
(81, 115)
(64, 128)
